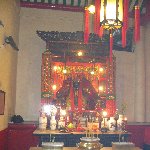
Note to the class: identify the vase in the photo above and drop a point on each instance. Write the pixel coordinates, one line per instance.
(53, 123)
(42, 122)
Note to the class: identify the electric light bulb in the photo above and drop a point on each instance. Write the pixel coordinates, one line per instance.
(55, 68)
(80, 53)
(125, 118)
(91, 9)
(54, 87)
(92, 72)
(104, 113)
(101, 69)
(64, 71)
(101, 88)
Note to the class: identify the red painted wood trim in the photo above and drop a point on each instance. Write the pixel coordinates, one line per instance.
(3, 139)
(140, 134)
(144, 18)
(52, 6)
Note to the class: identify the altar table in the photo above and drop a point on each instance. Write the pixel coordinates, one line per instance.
(75, 148)
(71, 138)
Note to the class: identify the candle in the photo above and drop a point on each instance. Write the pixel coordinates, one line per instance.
(125, 118)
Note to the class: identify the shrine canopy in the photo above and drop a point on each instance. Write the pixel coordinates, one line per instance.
(75, 75)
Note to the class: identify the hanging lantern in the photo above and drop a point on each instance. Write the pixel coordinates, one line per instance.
(111, 14)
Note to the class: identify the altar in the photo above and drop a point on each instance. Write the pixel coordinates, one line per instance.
(71, 138)
(78, 92)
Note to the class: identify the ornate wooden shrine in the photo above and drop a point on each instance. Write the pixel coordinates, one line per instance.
(77, 82)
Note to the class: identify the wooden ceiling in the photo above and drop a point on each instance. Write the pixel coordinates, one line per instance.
(80, 4)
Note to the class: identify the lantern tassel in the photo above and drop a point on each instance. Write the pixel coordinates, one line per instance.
(123, 37)
(111, 47)
(97, 17)
(86, 26)
(125, 22)
(125, 14)
(101, 31)
(95, 24)
(137, 24)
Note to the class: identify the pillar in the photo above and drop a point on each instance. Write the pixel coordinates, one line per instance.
(139, 111)
(147, 68)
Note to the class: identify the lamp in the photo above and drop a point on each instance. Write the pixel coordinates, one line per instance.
(111, 15)
(10, 40)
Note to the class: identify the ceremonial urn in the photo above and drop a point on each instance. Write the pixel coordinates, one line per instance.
(89, 143)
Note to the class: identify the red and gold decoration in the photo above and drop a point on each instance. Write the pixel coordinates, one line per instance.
(46, 79)
(81, 86)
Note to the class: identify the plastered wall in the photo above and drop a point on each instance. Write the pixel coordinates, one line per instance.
(8, 57)
(31, 48)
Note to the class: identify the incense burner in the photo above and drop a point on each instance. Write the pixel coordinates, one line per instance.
(89, 143)
(52, 145)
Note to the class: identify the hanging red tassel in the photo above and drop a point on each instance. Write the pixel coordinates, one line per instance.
(125, 22)
(125, 14)
(86, 26)
(101, 31)
(111, 47)
(137, 24)
(72, 96)
(97, 17)
(95, 24)
(123, 37)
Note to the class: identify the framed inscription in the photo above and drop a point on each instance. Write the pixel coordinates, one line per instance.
(2, 102)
